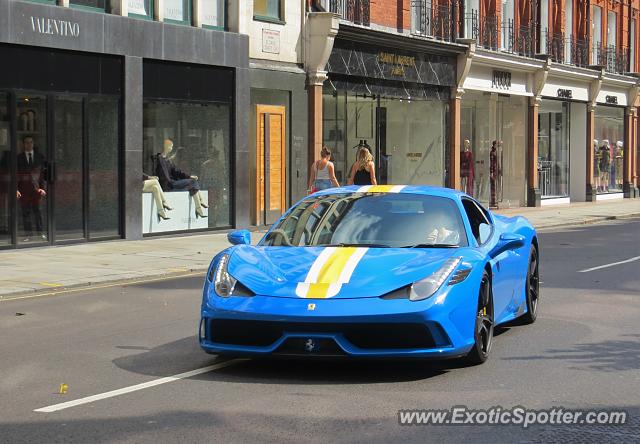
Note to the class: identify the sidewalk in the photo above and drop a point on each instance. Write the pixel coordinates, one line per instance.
(51, 269)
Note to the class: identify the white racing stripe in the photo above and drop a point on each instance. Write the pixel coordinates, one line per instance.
(610, 265)
(134, 388)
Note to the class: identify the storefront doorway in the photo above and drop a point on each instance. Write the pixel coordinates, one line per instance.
(59, 168)
(271, 162)
(553, 149)
(494, 131)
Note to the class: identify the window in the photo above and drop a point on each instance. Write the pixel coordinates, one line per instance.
(177, 11)
(88, 4)
(140, 8)
(632, 46)
(596, 35)
(267, 9)
(476, 219)
(611, 29)
(507, 24)
(568, 29)
(371, 219)
(212, 13)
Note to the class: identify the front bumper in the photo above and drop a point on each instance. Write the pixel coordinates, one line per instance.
(365, 327)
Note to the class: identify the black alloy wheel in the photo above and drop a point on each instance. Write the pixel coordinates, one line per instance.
(484, 323)
(533, 288)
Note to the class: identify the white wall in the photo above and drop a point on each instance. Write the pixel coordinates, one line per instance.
(290, 33)
(578, 152)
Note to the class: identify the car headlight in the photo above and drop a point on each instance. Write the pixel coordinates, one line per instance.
(428, 286)
(223, 282)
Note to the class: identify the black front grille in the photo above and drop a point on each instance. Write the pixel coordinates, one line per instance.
(366, 336)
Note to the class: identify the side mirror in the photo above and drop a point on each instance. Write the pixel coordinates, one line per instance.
(507, 241)
(485, 232)
(239, 237)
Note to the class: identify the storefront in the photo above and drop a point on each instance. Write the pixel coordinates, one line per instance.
(493, 130)
(393, 101)
(59, 147)
(562, 131)
(188, 125)
(609, 143)
(86, 109)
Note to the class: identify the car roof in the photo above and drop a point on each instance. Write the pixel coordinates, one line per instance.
(396, 189)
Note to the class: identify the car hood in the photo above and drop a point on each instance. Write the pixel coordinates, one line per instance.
(338, 272)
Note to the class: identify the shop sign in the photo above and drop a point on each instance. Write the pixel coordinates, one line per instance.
(565, 93)
(414, 156)
(501, 79)
(612, 100)
(397, 62)
(51, 26)
(271, 41)
(370, 61)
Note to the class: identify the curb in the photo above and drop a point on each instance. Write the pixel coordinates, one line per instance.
(33, 293)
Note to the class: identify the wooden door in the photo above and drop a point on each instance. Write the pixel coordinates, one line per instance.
(271, 163)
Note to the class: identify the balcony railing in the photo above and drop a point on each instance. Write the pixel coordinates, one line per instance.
(614, 59)
(519, 39)
(429, 20)
(484, 30)
(355, 11)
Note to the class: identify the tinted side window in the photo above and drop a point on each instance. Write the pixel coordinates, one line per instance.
(476, 218)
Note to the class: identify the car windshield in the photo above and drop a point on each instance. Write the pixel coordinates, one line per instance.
(371, 220)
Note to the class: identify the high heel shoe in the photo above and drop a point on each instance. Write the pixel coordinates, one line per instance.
(200, 213)
(163, 217)
(166, 206)
(204, 205)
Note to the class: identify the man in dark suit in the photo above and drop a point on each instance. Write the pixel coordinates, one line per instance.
(31, 186)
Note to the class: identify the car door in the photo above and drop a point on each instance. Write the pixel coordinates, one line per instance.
(485, 233)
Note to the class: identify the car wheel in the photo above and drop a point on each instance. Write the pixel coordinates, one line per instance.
(483, 332)
(532, 288)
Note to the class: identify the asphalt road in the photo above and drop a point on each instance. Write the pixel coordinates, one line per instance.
(582, 353)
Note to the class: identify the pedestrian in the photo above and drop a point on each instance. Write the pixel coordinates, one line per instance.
(322, 173)
(363, 169)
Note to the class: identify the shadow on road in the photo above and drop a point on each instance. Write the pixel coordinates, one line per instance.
(610, 356)
(185, 354)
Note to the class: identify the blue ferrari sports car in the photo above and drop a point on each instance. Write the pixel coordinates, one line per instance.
(373, 271)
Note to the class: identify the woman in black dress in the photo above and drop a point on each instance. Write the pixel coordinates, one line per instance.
(363, 171)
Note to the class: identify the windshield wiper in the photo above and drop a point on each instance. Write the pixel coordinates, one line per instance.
(432, 246)
(343, 244)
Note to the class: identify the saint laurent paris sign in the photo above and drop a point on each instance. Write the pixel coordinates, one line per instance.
(51, 26)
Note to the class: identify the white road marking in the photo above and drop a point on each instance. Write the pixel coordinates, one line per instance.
(610, 265)
(134, 388)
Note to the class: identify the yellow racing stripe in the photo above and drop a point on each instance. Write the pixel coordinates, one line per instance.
(330, 272)
(380, 188)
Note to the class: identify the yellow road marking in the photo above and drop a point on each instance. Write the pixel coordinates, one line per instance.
(50, 284)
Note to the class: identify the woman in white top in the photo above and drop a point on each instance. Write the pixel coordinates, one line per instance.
(322, 173)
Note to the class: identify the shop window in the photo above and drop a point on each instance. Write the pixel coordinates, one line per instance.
(608, 149)
(93, 5)
(213, 13)
(177, 11)
(5, 172)
(268, 10)
(553, 149)
(187, 146)
(140, 9)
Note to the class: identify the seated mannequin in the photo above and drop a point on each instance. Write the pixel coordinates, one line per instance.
(151, 185)
(171, 178)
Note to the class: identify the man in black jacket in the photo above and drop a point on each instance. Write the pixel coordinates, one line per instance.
(31, 186)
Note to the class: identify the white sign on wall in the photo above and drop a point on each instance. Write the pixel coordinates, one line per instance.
(212, 12)
(137, 7)
(174, 10)
(271, 41)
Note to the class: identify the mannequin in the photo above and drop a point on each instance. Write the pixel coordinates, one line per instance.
(596, 164)
(466, 168)
(618, 156)
(494, 173)
(151, 185)
(605, 165)
(171, 178)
